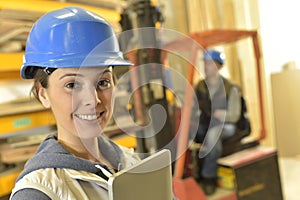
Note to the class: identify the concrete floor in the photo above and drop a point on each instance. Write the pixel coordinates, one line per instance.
(290, 176)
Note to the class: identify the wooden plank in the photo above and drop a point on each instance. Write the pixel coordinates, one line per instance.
(20, 106)
(16, 155)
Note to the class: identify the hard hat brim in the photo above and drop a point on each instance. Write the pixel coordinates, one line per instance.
(73, 62)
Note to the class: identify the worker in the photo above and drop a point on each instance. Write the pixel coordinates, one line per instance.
(71, 54)
(220, 105)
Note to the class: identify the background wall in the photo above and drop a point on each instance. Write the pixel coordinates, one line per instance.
(281, 41)
(281, 46)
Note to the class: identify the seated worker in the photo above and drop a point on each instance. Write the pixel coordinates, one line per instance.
(71, 54)
(220, 105)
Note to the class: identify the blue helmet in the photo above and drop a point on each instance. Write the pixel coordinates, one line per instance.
(71, 37)
(215, 56)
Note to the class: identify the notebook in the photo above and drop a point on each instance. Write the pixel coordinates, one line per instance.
(149, 179)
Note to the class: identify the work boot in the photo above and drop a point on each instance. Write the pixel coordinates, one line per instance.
(209, 185)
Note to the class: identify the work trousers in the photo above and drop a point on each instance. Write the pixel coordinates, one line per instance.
(211, 148)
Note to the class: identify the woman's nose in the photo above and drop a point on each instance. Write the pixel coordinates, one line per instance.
(91, 97)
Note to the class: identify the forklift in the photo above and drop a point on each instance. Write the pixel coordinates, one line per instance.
(144, 48)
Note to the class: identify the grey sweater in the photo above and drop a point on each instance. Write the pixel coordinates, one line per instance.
(51, 154)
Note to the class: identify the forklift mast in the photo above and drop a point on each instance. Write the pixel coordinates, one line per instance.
(140, 19)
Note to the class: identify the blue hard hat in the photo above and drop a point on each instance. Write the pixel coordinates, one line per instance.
(215, 56)
(71, 37)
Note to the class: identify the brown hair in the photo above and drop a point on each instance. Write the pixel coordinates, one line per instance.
(40, 79)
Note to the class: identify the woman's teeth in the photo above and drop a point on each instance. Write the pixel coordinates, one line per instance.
(87, 117)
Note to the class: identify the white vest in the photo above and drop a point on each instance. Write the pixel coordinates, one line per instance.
(69, 184)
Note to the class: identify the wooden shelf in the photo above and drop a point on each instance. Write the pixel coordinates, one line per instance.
(10, 65)
(30, 117)
(21, 116)
(8, 178)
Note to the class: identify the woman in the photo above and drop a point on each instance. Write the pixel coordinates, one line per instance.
(71, 53)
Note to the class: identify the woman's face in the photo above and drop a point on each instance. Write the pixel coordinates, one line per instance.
(80, 99)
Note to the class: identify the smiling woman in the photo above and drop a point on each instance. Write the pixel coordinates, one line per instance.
(70, 54)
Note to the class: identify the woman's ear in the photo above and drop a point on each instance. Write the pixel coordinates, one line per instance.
(43, 96)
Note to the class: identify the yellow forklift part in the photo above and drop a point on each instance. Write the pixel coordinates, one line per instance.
(125, 140)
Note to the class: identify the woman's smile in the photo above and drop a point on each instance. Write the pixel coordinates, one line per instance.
(89, 117)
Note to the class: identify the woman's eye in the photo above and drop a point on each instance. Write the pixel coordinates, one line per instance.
(72, 85)
(104, 84)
